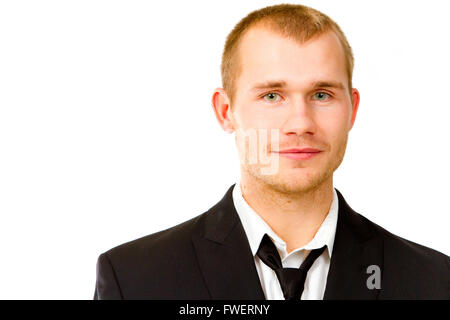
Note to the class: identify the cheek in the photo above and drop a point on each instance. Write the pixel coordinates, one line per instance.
(334, 127)
(338, 118)
(254, 116)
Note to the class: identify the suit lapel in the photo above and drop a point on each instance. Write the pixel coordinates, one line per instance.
(355, 248)
(224, 254)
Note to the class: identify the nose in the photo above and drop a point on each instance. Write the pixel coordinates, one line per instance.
(299, 118)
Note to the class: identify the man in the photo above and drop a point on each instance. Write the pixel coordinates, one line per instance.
(282, 231)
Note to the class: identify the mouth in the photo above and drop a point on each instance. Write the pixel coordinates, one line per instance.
(299, 153)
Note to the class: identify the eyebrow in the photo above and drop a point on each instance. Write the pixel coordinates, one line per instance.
(328, 84)
(269, 84)
(282, 84)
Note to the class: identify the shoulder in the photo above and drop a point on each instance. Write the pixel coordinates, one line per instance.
(172, 241)
(411, 270)
(151, 267)
(399, 249)
(176, 239)
(408, 270)
(407, 251)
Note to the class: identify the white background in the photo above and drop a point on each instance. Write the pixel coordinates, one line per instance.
(107, 132)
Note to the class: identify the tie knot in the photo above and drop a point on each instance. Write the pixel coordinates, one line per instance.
(292, 280)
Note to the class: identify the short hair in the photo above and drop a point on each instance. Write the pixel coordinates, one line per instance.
(291, 20)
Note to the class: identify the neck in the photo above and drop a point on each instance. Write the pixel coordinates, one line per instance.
(295, 217)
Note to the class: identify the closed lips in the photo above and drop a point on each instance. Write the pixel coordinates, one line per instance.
(302, 150)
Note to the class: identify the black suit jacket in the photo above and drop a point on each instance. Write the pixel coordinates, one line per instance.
(209, 257)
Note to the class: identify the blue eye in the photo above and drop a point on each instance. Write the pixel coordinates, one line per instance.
(271, 97)
(322, 96)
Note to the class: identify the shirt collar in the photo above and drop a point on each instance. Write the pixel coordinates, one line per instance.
(255, 227)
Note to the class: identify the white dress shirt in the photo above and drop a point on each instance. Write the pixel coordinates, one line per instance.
(255, 228)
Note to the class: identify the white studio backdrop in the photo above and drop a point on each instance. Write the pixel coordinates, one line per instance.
(107, 132)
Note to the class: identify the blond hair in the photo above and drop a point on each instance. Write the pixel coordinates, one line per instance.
(290, 20)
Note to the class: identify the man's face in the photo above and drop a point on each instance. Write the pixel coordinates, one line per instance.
(301, 90)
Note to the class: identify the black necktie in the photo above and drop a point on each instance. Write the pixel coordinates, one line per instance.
(292, 280)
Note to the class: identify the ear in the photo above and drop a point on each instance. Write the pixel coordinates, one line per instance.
(222, 109)
(355, 105)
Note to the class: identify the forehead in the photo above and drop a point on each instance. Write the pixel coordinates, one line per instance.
(266, 55)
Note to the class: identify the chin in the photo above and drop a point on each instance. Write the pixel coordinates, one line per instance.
(299, 184)
(293, 181)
